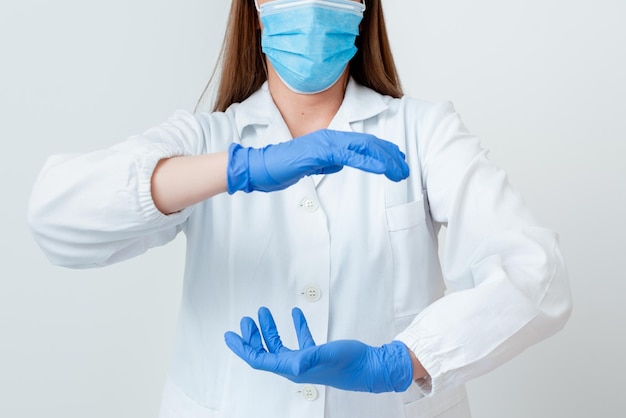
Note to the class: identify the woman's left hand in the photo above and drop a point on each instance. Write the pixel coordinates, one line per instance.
(344, 364)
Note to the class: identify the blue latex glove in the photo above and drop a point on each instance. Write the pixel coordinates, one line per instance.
(278, 166)
(344, 364)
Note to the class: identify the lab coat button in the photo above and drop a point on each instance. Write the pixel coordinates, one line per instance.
(309, 392)
(312, 293)
(309, 204)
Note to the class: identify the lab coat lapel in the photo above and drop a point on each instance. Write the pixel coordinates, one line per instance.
(260, 111)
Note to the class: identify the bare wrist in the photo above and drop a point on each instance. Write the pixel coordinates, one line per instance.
(419, 372)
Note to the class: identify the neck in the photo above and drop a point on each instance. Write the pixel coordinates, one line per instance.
(305, 113)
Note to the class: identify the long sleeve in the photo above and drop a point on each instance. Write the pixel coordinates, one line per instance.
(95, 209)
(508, 285)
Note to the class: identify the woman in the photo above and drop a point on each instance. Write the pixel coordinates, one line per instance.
(280, 212)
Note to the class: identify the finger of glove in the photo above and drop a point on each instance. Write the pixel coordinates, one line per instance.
(238, 345)
(372, 164)
(363, 143)
(245, 351)
(270, 332)
(233, 341)
(384, 151)
(396, 155)
(250, 334)
(260, 359)
(390, 148)
(330, 169)
(361, 161)
(305, 339)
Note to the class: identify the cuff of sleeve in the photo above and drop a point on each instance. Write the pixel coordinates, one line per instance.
(145, 201)
(435, 380)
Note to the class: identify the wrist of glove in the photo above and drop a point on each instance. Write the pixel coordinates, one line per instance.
(278, 166)
(344, 364)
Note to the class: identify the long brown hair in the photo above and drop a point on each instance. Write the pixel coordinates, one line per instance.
(242, 68)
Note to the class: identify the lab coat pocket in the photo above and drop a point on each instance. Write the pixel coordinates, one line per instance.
(449, 404)
(176, 404)
(416, 272)
(405, 216)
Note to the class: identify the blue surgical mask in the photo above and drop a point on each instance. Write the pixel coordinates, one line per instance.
(310, 42)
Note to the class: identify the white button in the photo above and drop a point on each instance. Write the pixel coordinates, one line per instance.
(309, 392)
(309, 204)
(312, 293)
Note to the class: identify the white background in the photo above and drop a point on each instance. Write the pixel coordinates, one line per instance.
(541, 82)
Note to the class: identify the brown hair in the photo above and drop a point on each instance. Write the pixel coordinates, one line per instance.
(243, 68)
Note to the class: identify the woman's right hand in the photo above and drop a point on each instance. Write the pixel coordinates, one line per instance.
(276, 167)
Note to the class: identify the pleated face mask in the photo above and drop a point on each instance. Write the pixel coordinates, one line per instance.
(310, 42)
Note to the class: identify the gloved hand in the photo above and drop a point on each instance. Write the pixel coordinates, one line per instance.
(344, 364)
(278, 166)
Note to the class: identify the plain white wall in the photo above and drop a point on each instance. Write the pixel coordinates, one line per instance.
(542, 83)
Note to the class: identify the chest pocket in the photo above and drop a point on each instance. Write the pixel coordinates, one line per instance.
(417, 278)
(406, 216)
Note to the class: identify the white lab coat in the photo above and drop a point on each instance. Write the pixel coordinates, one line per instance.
(357, 252)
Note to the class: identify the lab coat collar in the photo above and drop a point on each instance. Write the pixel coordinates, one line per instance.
(359, 103)
(258, 109)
